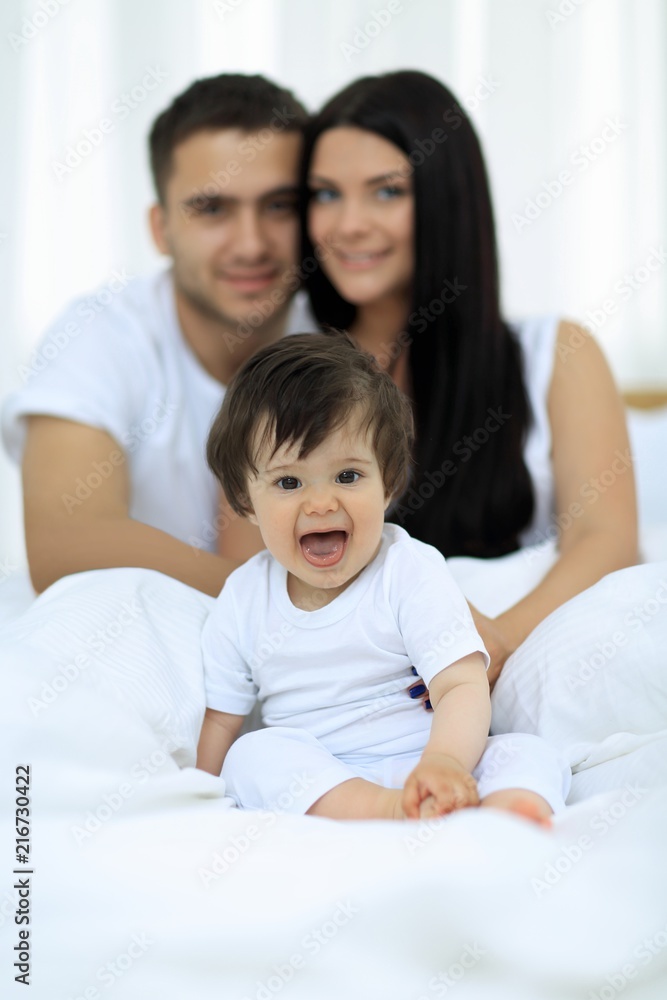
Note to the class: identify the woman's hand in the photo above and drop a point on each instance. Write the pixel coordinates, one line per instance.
(496, 641)
(439, 784)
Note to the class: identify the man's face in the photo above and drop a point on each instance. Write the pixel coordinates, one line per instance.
(230, 223)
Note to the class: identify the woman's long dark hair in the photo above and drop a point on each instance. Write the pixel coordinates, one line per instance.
(472, 493)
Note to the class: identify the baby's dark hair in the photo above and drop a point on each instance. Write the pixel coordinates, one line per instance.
(298, 391)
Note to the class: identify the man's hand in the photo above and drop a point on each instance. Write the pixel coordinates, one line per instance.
(439, 784)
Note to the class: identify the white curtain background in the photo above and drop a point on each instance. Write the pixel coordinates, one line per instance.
(553, 86)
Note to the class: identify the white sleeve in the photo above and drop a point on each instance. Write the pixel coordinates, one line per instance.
(96, 371)
(227, 679)
(431, 611)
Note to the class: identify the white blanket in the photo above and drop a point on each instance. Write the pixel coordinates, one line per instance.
(147, 884)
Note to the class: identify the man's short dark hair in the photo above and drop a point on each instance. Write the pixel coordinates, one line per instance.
(230, 100)
(298, 391)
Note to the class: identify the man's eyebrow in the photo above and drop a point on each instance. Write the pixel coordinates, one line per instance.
(283, 189)
(200, 198)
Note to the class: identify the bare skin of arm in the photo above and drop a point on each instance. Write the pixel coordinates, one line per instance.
(462, 715)
(219, 731)
(595, 491)
(63, 537)
(239, 538)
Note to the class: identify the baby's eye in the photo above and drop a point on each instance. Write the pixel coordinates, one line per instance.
(288, 483)
(347, 477)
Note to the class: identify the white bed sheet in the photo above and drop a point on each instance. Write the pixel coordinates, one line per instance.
(101, 693)
(148, 884)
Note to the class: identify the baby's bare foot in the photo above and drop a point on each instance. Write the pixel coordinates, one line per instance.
(524, 803)
(428, 808)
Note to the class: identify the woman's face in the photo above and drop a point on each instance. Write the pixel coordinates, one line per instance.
(361, 215)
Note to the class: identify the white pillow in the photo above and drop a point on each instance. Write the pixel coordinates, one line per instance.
(131, 634)
(592, 677)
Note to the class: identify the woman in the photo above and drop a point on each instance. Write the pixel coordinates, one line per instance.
(515, 426)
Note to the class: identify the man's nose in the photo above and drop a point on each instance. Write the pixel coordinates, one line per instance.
(249, 241)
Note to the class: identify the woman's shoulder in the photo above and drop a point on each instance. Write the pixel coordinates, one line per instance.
(536, 334)
(538, 338)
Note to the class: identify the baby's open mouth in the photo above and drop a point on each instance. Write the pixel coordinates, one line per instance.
(323, 548)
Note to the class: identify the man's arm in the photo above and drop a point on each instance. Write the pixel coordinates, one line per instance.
(219, 731)
(64, 536)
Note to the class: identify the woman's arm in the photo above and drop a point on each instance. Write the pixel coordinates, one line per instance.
(596, 508)
(68, 534)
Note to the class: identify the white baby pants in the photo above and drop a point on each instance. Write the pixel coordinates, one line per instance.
(288, 770)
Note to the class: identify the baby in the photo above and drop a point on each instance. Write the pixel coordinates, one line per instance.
(312, 444)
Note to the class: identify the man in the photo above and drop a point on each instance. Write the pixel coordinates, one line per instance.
(111, 424)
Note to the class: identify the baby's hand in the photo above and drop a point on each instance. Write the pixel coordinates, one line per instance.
(443, 781)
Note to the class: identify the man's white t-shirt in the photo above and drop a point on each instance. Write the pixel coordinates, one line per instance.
(120, 363)
(342, 672)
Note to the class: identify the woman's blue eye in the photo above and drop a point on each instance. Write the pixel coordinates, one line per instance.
(347, 478)
(389, 191)
(324, 195)
(288, 483)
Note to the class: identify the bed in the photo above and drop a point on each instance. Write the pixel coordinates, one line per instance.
(143, 882)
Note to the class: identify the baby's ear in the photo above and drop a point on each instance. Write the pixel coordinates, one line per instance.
(249, 513)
